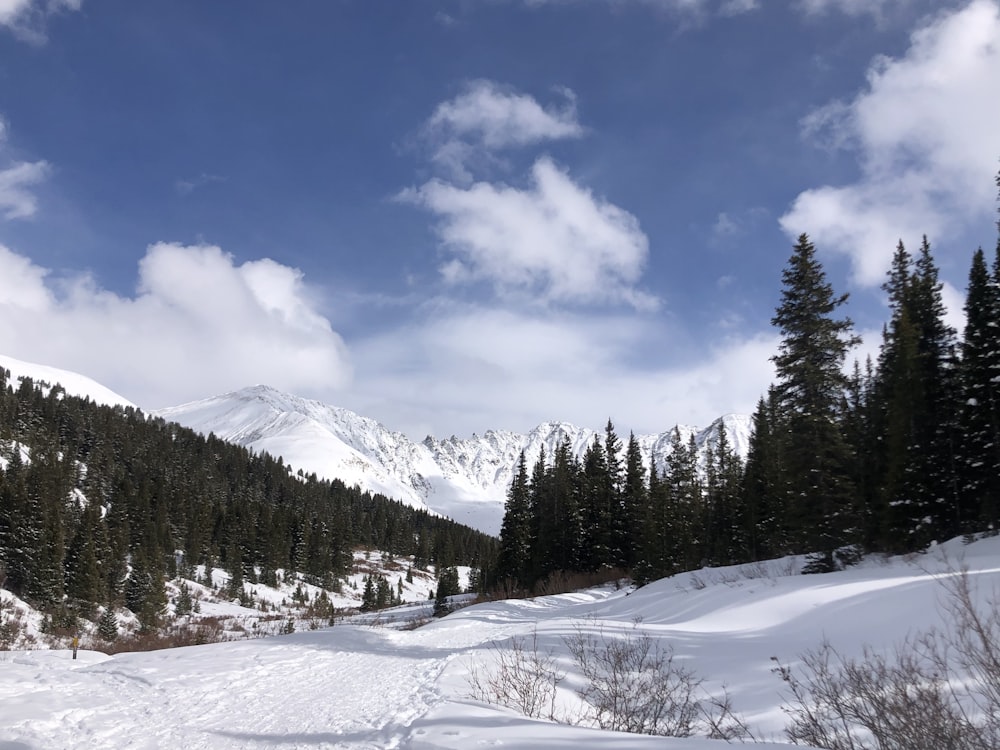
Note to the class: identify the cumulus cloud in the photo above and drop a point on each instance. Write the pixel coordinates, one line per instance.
(27, 18)
(553, 240)
(926, 138)
(486, 118)
(16, 199)
(498, 117)
(199, 324)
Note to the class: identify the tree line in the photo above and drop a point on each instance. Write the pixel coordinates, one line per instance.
(888, 456)
(99, 504)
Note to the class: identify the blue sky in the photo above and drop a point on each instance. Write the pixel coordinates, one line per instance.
(456, 215)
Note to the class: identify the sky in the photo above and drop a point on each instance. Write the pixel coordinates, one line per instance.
(454, 216)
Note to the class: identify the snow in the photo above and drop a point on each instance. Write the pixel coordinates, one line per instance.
(73, 383)
(463, 479)
(358, 686)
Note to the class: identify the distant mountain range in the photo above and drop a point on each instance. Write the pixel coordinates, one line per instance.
(463, 478)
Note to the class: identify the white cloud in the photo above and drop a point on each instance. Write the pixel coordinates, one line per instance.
(475, 368)
(738, 7)
(487, 117)
(198, 325)
(201, 324)
(554, 240)
(27, 18)
(16, 200)
(875, 8)
(926, 134)
(499, 118)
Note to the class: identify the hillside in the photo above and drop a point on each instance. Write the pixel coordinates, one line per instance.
(354, 686)
(462, 478)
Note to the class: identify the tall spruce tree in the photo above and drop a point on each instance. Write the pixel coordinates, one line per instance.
(809, 395)
(916, 421)
(860, 432)
(761, 511)
(515, 532)
(722, 528)
(979, 462)
(634, 499)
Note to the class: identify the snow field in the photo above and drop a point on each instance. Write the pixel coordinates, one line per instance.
(357, 686)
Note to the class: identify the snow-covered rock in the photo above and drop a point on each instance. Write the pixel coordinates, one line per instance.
(463, 478)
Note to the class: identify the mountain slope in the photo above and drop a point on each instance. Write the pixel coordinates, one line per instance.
(73, 383)
(463, 478)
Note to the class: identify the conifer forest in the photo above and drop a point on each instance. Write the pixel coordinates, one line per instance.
(882, 456)
(99, 504)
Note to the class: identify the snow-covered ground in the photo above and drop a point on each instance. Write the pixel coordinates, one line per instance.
(359, 686)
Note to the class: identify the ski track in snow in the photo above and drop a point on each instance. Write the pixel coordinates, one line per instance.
(363, 687)
(290, 696)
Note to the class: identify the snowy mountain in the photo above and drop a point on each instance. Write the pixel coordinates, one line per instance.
(73, 383)
(463, 478)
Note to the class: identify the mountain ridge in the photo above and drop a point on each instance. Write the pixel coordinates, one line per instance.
(465, 479)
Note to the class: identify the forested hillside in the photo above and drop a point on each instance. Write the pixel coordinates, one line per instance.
(99, 504)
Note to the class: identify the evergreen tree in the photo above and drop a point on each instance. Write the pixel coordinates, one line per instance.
(761, 512)
(634, 500)
(448, 585)
(722, 518)
(184, 604)
(917, 393)
(369, 597)
(979, 464)
(860, 430)
(107, 625)
(515, 532)
(809, 395)
(84, 582)
(595, 550)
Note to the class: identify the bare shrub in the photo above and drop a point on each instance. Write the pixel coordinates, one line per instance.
(564, 582)
(507, 588)
(940, 689)
(635, 684)
(521, 677)
(207, 630)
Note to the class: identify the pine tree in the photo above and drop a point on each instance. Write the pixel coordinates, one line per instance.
(723, 531)
(634, 499)
(107, 625)
(369, 597)
(448, 585)
(761, 514)
(595, 508)
(809, 396)
(916, 424)
(979, 463)
(860, 419)
(515, 532)
(184, 604)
